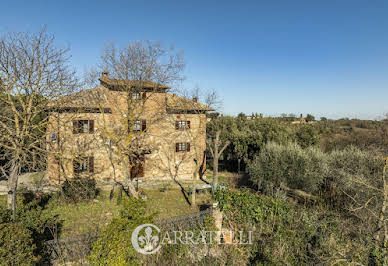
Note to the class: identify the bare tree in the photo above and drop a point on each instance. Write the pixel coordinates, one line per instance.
(214, 102)
(133, 68)
(141, 61)
(33, 71)
(216, 149)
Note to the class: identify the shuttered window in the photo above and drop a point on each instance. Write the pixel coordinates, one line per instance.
(83, 126)
(181, 125)
(182, 146)
(91, 164)
(139, 125)
(83, 165)
(136, 96)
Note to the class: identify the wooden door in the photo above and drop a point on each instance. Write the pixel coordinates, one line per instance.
(137, 167)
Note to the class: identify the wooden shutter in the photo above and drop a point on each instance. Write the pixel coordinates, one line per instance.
(91, 126)
(143, 125)
(75, 126)
(91, 164)
(188, 146)
(75, 166)
(176, 125)
(188, 124)
(176, 147)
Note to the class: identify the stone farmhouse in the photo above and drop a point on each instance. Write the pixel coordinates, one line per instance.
(126, 129)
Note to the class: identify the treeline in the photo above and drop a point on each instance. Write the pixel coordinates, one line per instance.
(368, 135)
(247, 135)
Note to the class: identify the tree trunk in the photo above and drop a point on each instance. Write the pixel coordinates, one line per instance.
(12, 188)
(132, 189)
(128, 183)
(193, 203)
(215, 161)
(238, 165)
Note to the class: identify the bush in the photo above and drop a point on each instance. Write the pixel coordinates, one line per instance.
(307, 135)
(283, 234)
(114, 246)
(5, 215)
(16, 245)
(32, 224)
(288, 165)
(350, 173)
(79, 189)
(342, 178)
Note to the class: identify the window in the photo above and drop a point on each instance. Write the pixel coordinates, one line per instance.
(182, 146)
(136, 96)
(54, 137)
(83, 126)
(181, 125)
(139, 125)
(83, 165)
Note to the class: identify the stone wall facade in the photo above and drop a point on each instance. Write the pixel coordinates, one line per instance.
(111, 148)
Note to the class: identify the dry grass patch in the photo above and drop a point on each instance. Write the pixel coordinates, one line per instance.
(172, 203)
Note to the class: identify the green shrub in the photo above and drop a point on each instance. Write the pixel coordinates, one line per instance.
(351, 175)
(288, 165)
(307, 135)
(114, 246)
(5, 215)
(250, 207)
(16, 245)
(32, 220)
(349, 181)
(285, 234)
(79, 189)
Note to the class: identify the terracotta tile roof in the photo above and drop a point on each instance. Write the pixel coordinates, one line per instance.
(175, 102)
(90, 98)
(109, 82)
(98, 98)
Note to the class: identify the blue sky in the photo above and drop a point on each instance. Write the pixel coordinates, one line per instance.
(325, 57)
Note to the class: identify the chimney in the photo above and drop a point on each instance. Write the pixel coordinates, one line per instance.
(105, 73)
(195, 99)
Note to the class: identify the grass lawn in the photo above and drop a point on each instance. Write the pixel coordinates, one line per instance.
(172, 203)
(228, 178)
(85, 217)
(92, 216)
(95, 215)
(3, 200)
